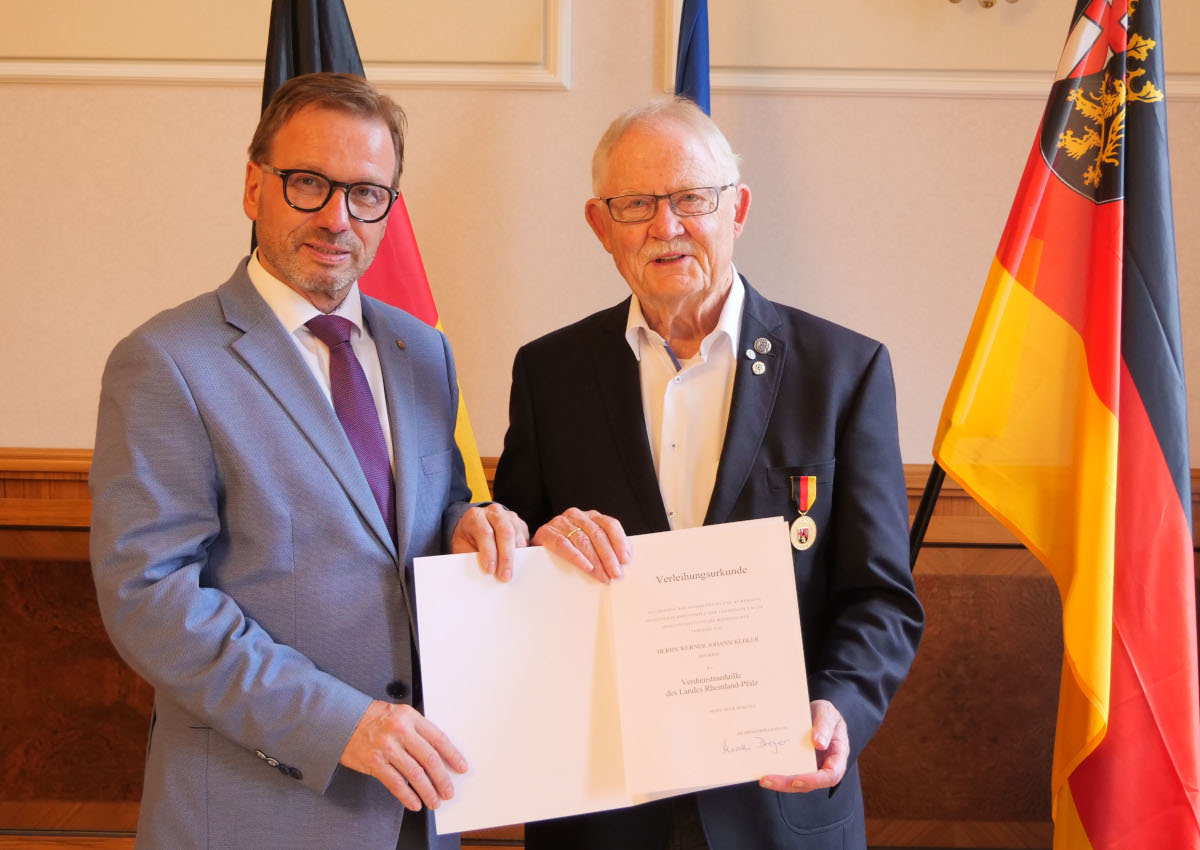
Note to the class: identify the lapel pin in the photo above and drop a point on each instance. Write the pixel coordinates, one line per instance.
(750, 355)
(759, 367)
(762, 345)
(400, 344)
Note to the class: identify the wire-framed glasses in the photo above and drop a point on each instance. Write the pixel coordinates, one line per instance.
(686, 202)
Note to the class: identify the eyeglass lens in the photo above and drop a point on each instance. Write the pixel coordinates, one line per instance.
(309, 192)
(631, 208)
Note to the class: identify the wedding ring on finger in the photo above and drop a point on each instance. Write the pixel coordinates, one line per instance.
(573, 532)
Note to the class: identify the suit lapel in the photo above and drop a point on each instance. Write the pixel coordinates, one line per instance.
(750, 406)
(396, 366)
(267, 349)
(616, 371)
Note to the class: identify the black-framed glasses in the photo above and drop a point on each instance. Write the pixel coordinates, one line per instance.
(309, 191)
(629, 209)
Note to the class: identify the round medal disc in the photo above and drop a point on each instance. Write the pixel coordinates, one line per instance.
(804, 532)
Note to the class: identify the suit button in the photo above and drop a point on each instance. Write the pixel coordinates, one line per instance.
(397, 689)
(295, 773)
(273, 762)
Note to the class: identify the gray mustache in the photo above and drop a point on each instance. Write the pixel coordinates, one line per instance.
(675, 246)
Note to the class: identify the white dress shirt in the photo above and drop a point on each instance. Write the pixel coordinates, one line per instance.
(687, 409)
(293, 310)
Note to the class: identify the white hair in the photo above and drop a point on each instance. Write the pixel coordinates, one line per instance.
(665, 109)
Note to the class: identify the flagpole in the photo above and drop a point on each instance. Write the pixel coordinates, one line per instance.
(916, 536)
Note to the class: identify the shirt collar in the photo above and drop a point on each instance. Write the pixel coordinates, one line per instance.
(729, 324)
(292, 308)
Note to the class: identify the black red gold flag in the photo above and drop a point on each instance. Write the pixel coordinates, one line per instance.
(307, 36)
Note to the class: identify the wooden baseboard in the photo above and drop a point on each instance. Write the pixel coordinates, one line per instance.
(35, 841)
(119, 819)
(49, 824)
(65, 842)
(68, 815)
(1012, 835)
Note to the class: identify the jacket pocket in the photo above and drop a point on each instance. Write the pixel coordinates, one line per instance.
(781, 478)
(437, 463)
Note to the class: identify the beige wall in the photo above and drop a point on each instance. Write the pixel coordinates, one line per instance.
(880, 211)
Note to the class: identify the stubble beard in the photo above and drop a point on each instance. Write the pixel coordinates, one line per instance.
(303, 277)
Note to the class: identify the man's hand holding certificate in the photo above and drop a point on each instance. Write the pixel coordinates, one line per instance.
(569, 696)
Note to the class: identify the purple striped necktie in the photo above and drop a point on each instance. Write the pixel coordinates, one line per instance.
(355, 408)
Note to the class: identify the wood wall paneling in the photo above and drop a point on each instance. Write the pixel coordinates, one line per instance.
(962, 760)
(963, 757)
(73, 717)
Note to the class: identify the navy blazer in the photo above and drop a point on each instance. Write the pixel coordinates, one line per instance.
(825, 405)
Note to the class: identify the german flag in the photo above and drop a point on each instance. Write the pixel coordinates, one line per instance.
(307, 36)
(397, 277)
(1067, 420)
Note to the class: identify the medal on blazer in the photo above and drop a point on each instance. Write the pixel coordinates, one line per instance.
(804, 494)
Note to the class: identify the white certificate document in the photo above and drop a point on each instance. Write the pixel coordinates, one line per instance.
(568, 696)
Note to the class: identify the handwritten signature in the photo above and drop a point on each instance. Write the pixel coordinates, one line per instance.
(758, 743)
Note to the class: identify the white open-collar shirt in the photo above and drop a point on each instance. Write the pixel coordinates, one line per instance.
(293, 310)
(687, 410)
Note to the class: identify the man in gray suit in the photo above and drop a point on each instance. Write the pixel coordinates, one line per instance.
(270, 457)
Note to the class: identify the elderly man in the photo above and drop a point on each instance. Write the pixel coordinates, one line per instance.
(698, 401)
(270, 457)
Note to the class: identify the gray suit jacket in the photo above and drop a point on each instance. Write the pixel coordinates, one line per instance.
(242, 566)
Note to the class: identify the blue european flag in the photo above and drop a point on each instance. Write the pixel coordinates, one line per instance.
(691, 63)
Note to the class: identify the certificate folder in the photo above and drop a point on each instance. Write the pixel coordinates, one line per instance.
(568, 696)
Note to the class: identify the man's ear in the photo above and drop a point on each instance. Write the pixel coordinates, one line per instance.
(598, 218)
(253, 191)
(741, 208)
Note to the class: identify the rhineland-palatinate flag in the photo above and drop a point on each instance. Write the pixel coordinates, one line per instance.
(1067, 420)
(307, 36)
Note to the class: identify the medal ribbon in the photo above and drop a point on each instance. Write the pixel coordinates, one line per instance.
(804, 492)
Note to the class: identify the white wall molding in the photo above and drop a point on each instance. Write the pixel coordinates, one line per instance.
(553, 72)
(128, 71)
(899, 82)
(909, 83)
